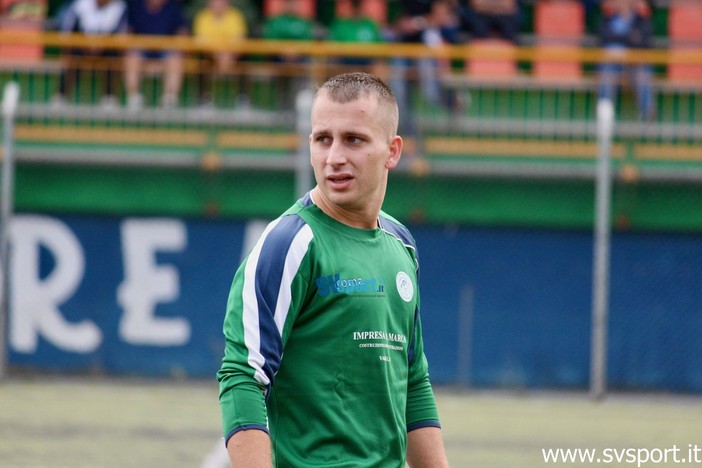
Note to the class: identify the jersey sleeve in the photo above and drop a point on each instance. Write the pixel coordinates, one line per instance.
(263, 301)
(421, 408)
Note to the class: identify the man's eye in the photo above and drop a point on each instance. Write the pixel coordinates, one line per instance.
(355, 140)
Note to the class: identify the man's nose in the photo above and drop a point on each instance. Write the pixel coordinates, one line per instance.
(337, 154)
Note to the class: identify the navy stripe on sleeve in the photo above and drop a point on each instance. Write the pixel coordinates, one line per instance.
(398, 230)
(268, 283)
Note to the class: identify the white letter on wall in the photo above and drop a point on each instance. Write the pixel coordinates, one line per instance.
(35, 301)
(147, 284)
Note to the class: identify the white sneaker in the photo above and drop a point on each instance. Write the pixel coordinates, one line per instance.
(169, 101)
(109, 103)
(243, 102)
(58, 101)
(135, 102)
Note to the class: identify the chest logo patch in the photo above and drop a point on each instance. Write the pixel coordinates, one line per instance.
(404, 286)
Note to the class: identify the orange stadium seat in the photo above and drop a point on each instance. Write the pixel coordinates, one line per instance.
(305, 8)
(685, 34)
(25, 17)
(501, 67)
(559, 26)
(375, 9)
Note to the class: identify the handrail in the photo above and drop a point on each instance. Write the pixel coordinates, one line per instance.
(321, 49)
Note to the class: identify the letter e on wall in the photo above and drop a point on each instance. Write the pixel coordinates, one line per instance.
(146, 283)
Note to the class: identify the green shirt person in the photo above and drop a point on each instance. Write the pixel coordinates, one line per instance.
(324, 361)
(355, 28)
(288, 27)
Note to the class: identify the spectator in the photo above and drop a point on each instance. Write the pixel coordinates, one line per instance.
(221, 23)
(356, 28)
(432, 23)
(289, 25)
(155, 17)
(590, 5)
(494, 18)
(626, 24)
(92, 17)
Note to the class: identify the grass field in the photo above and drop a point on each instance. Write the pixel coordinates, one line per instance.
(125, 423)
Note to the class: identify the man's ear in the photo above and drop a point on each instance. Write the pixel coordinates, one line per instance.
(395, 152)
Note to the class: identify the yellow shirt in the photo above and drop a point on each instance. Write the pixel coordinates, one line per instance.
(231, 25)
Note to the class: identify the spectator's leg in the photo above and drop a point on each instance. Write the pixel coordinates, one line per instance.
(111, 75)
(279, 81)
(400, 87)
(204, 80)
(244, 84)
(609, 81)
(429, 81)
(642, 76)
(173, 78)
(291, 82)
(133, 61)
(223, 67)
(68, 77)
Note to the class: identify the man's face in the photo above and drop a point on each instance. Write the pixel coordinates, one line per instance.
(218, 6)
(351, 148)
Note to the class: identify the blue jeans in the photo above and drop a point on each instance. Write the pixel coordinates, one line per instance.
(640, 77)
(429, 85)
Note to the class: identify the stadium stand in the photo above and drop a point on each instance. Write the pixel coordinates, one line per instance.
(23, 17)
(493, 59)
(521, 124)
(685, 34)
(560, 26)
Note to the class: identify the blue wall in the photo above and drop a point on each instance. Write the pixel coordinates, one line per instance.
(146, 296)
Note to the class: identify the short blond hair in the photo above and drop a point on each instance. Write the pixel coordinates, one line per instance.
(348, 87)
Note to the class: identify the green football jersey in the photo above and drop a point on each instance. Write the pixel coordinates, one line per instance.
(288, 27)
(323, 343)
(362, 30)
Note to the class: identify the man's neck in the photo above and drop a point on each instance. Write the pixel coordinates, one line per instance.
(350, 218)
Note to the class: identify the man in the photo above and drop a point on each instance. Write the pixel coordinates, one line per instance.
(92, 17)
(217, 22)
(432, 23)
(357, 28)
(324, 362)
(627, 24)
(499, 18)
(160, 18)
(289, 24)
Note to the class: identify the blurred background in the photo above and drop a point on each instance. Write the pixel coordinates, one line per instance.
(154, 139)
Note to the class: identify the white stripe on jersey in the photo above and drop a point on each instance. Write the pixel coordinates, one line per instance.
(297, 251)
(252, 331)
